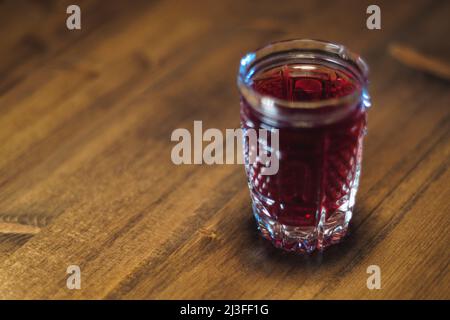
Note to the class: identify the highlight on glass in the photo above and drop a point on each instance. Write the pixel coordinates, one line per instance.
(315, 93)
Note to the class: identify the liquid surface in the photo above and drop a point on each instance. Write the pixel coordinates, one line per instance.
(319, 166)
(304, 83)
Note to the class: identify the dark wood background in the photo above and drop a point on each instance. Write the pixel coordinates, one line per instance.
(85, 170)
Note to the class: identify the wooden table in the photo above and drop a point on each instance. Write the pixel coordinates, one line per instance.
(86, 177)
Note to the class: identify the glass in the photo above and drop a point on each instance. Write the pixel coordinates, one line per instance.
(315, 94)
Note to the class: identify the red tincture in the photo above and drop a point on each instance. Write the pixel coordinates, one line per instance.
(319, 164)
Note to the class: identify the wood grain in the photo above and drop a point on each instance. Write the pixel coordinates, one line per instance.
(417, 60)
(85, 170)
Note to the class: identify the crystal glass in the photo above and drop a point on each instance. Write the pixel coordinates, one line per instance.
(314, 93)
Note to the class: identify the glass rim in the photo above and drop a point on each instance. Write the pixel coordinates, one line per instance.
(338, 54)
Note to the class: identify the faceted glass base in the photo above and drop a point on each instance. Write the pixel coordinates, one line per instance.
(303, 239)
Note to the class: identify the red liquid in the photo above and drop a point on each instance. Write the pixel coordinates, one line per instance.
(318, 166)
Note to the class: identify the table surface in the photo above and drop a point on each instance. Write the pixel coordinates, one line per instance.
(86, 177)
